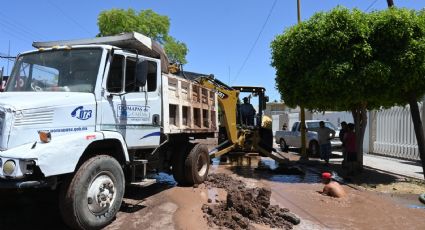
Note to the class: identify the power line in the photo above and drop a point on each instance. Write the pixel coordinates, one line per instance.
(6, 56)
(22, 28)
(372, 4)
(14, 32)
(69, 17)
(255, 42)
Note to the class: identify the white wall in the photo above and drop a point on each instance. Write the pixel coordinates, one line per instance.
(334, 117)
(279, 120)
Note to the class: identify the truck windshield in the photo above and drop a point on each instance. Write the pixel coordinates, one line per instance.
(68, 70)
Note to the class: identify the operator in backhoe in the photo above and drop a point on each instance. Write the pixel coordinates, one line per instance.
(247, 112)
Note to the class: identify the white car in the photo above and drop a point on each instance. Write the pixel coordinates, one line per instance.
(292, 138)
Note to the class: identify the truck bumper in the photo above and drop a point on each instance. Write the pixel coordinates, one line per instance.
(10, 184)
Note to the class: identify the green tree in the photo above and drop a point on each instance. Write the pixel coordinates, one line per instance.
(147, 22)
(398, 41)
(349, 60)
(326, 63)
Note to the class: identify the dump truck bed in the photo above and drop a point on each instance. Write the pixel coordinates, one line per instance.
(191, 107)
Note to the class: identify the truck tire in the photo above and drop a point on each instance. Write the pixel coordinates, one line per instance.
(314, 148)
(93, 196)
(283, 145)
(197, 164)
(178, 165)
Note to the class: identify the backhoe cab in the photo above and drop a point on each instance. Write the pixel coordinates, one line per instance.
(235, 134)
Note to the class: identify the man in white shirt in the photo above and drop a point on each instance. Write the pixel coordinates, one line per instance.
(325, 135)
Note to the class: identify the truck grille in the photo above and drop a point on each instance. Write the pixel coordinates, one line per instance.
(2, 119)
(34, 117)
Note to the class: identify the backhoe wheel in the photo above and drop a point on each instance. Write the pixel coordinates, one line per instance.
(93, 196)
(197, 164)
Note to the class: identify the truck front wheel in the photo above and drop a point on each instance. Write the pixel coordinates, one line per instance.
(93, 196)
(197, 164)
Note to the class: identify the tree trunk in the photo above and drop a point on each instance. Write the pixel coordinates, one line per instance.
(390, 3)
(360, 121)
(417, 124)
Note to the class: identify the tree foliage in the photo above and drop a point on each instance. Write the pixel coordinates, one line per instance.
(326, 63)
(147, 22)
(398, 41)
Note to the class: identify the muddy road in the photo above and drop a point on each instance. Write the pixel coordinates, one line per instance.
(166, 206)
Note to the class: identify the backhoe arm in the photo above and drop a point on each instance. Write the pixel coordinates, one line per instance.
(227, 99)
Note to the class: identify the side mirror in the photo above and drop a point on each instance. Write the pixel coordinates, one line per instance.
(141, 72)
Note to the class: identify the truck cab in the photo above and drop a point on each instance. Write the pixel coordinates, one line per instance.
(90, 116)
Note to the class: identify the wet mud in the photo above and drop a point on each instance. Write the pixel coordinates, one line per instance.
(244, 206)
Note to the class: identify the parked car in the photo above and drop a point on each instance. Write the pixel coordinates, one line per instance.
(292, 138)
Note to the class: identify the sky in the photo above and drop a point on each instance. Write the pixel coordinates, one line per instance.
(228, 38)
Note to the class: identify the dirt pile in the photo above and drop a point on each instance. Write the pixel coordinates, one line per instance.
(244, 205)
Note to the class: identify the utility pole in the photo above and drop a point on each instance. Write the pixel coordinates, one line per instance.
(390, 3)
(8, 61)
(302, 123)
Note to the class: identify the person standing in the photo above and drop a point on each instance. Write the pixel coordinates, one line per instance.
(325, 135)
(350, 148)
(342, 131)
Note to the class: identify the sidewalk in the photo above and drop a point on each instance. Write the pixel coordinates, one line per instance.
(396, 166)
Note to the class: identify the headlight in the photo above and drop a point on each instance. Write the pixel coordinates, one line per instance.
(9, 167)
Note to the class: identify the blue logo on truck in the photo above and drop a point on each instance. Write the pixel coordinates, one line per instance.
(81, 113)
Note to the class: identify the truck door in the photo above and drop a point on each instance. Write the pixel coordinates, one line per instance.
(132, 110)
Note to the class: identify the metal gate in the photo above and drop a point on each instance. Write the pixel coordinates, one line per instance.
(395, 135)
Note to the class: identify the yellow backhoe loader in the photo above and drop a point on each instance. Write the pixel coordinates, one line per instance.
(234, 135)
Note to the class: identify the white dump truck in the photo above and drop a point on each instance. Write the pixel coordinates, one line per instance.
(89, 117)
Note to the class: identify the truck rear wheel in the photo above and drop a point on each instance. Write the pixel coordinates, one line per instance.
(178, 165)
(93, 196)
(197, 164)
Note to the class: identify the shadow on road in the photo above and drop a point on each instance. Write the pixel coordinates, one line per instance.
(39, 209)
(135, 195)
(30, 209)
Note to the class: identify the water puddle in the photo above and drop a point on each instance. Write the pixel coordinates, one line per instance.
(416, 206)
(253, 166)
(164, 179)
